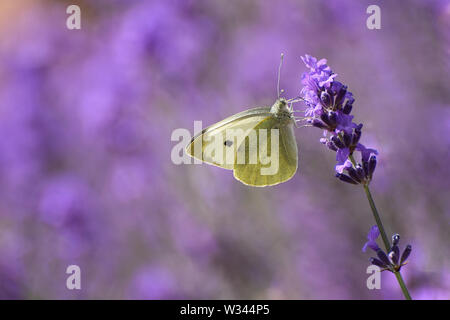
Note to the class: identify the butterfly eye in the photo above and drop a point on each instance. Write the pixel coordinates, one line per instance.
(228, 143)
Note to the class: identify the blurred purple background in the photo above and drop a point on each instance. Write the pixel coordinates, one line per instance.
(86, 176)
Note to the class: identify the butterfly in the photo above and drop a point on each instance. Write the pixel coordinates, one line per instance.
(261, 148)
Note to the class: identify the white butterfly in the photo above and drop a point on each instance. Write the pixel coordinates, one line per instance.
(215, 143)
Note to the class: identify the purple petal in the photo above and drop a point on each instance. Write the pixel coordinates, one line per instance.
(373, 233)
(309, 61)
(372, 237)
(345, 122)
(341, 167)
(372, 245)
(326, 82)
(342, 155)
(321, 62)
(365, 152)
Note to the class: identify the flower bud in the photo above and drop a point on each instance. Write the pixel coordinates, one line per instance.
(340, 97)
(329, 118)
(329, 144)
(377, 262)
(318, 124)
(394, 254)
(324, 117)
(365, 166)
(326, 99)
(333, 117)
(348, 106)
(405, 254)
(353, 174)
(372, 165)
(345, 178)
(347, 139)
(356, 135)
(383, 257)
(337, 142)
(395, 239)
(360, 171)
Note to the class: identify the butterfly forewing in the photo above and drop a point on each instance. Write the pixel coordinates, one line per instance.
(218, 143)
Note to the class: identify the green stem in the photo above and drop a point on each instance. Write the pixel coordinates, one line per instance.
(383, 233)
(402, 285)
(377, 218)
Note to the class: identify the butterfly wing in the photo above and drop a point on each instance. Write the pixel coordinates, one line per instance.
(268, 169)
(202, 146)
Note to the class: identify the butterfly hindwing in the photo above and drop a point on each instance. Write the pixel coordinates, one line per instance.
(269, 168)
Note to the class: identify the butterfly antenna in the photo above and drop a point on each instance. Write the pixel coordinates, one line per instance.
(279, 72)
(296, 99)
(303, 126)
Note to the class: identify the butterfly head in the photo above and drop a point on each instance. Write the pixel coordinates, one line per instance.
(281, 110)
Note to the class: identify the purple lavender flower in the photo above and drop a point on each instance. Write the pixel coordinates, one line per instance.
(372, 237)
(391, 261)
(329, 104)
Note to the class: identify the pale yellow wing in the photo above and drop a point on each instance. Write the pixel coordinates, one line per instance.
(215, 147)
(276, 157)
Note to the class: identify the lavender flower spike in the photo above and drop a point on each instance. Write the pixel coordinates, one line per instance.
(328, 107)
(329, 104)
(389, 261)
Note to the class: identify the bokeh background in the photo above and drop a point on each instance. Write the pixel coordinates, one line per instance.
(86, 177)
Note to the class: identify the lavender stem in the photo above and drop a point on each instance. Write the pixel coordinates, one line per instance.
(383, 233)
(377, 217)
(402, 285)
